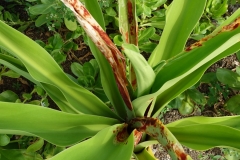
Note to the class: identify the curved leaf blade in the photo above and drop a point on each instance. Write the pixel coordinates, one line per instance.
(206, 136)
(193, 64)
(179, 25)
(230, 121)
(142, 69)
(57, 127)
(107, 149)
(43, 68)
(107, 76)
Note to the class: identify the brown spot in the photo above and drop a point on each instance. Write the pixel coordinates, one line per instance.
(130, 13)
(195, 45)
(231, 26)
(134, 82)
(137, 137)
(85, 11)
(122, 133)
(132, 30)
(188, 49)
(126, 37)
(180, 154)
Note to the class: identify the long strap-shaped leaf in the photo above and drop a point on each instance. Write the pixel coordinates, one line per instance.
(107, 77)
(184, 70)
(128, 27)
(206, 136)
(55, 94)
(107, 148)
(43, 68)
(179, 25)
(57, 127)
(157, 130)
(206, 132)
(105, 45)
(230, 121)
(127, 21)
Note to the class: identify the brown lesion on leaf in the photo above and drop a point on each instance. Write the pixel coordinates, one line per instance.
(179, 153)
(121, 133)
(137, 136)
(130, 13)
(231, 26)
(108, 49)
(226, 28)
(156, 129)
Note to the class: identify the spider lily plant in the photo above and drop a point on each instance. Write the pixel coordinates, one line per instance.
(92, 129)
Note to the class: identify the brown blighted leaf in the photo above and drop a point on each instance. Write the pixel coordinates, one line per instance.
(104, 44)
(226, 28)
(157, 130)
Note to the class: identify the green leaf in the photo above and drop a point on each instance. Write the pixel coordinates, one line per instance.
(208, 77)
(52, 91)
(88, 69)
(11, 74)
(230, 78)
(107, 78)
(217, 8)
(143, 106)
(15, 154)
(41, 65)
(39, 90)
(56, 127)
(230, 121)
(203, 137)
(145, 35)
(95, 66)
(4, 140)
(141, 68)
(238, 55)
(8, 96)
(108, 148)
(186, 108)
(146, 154)
(179, 25)
(111, 12)
(77, 69)
(148, 47)
(238, 70)
(42, 19)
(202, 133)
(27, 96)
(41, 9)
(37, 145)
(71, 25)
(95, 10)
(177, 79)
(196, 96)
(233, 104)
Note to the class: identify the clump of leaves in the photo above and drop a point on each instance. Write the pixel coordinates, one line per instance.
(52, 13)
